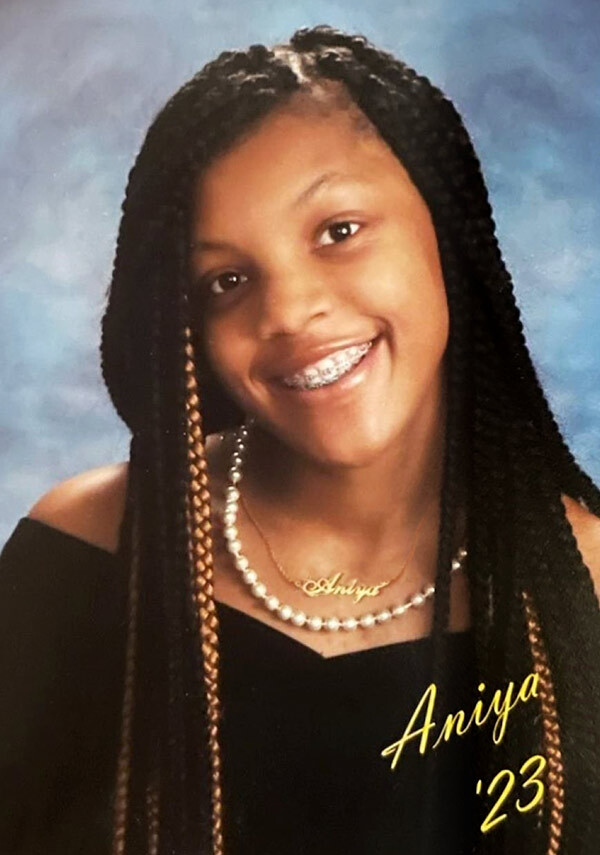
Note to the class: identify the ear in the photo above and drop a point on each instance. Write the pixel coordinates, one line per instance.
(586, 530)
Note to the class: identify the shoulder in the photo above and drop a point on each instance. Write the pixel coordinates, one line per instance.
(91, 504)
(586, 530)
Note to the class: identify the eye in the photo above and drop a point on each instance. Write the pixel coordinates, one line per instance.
(341, 230)
(224, 283)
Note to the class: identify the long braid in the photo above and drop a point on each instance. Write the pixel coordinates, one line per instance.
(121, 797)
(199, 528)
(487, 257)
(552, 739)
(153, 784)
(578, 694)
(577, 697)
(201, 553)
(171, 756)
(451, 493)
(499, 423)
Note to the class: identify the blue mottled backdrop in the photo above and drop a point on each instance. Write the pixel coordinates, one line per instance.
(82, 81)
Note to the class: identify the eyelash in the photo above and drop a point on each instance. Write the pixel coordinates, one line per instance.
(207, 282)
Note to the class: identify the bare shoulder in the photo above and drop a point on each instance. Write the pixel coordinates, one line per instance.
(586, 529)
(91, 504)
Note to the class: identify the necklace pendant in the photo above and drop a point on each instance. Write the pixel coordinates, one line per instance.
(332, 586)
(326, 585)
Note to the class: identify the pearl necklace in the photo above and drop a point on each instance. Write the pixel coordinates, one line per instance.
(286, 612)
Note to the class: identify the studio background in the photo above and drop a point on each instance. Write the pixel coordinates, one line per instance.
(82, 82)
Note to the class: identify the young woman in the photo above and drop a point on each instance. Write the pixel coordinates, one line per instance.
(345, 487)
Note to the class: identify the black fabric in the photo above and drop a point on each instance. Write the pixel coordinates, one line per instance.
(301, 735)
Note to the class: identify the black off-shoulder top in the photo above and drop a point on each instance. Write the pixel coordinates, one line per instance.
(301, 735)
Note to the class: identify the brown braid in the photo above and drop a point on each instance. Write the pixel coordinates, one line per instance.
(121, 799)
(199, 528)
(550, 727)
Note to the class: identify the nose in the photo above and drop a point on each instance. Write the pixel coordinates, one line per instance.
(291, 300)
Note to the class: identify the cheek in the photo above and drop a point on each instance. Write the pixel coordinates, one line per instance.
(425, 291)
(407, 292)
(221, 352)
(405, 284)
(427, 313)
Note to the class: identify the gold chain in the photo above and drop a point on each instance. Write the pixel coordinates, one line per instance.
(332, 584)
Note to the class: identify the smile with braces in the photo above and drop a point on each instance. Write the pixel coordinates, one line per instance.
(328, 370)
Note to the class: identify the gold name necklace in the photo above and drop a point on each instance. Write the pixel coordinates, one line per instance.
(332, 585)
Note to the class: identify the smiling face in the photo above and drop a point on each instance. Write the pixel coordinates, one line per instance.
(307, 237)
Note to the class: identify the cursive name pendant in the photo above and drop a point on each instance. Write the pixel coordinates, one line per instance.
(331, 585)
(284, 611)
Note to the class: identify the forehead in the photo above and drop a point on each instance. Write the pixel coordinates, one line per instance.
(269, 168)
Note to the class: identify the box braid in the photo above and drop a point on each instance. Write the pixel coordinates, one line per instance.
(504, 456)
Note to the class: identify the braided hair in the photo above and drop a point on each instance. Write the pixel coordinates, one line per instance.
(502, 443)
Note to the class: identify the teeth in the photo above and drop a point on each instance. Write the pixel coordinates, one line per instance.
(329, 369)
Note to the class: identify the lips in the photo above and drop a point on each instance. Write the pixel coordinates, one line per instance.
(336, 392)
(286, 367)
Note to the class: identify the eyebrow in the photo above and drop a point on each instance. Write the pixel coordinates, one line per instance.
(324, 179)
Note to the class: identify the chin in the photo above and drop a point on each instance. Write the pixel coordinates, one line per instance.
(347, 449)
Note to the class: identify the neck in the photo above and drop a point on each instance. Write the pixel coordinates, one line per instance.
(365, 502)
(362, 517)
